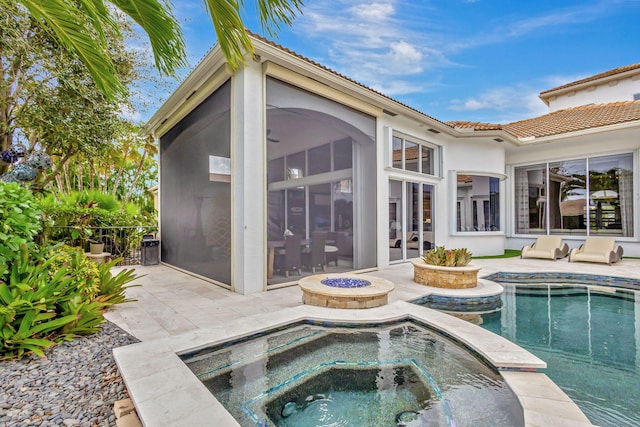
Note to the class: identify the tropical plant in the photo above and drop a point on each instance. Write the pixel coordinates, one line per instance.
(81, 27)
(19, 223)
(30, 311)
(54, 295)
(447, 257)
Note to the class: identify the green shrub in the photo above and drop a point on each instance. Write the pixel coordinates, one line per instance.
(447, 257)
(19, 223)
(81, 217)
(55, 295)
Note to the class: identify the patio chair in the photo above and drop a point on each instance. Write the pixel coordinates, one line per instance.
(597, 249)
(315, 257)
(289, 259)
(547, 247)
(335, 239)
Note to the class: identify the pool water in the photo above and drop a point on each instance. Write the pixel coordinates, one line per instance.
(590, 339)
(396, 374)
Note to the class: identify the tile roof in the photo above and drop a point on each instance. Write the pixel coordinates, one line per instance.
(575, 119)
(563, 121)
(609, 73)
(474, 125)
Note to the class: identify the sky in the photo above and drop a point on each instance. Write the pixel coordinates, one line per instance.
(475, 60)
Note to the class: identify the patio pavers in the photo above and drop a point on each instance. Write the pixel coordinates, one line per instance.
(170, 302)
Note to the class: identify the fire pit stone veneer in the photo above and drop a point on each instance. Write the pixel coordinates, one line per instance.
(445, 277)
(345, 290)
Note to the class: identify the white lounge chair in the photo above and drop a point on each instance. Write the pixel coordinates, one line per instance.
(597, 249)
(547, 247)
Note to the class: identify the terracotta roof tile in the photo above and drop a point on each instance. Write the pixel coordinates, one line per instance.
(575, 119)
(609, 73)
(475, 125)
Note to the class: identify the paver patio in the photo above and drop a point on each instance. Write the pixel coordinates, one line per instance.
(170, 302)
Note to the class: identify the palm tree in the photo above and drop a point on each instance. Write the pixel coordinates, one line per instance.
(80, 27)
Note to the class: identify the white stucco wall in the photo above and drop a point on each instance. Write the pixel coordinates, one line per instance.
(249, 240)
(617, 90)
(477, 156)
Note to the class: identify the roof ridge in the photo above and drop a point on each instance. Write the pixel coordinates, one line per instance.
(608, 73)
(576, 118)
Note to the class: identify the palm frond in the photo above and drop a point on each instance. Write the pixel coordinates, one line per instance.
(157, 20)
(64, 20)
(273, 13)
(234, 40)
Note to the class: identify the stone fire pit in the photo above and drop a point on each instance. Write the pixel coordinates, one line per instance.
(345, 290)
(445, 277)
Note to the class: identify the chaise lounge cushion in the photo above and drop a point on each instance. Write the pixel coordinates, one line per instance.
(547, 247)
(597, 249)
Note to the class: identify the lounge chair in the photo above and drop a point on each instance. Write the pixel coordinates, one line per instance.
(547, 247)
(597, 249)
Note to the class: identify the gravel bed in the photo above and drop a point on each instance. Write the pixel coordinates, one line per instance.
(76, 385)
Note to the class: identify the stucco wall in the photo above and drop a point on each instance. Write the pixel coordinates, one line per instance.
(619, 90)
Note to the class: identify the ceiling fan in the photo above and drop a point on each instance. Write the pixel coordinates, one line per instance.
(271, 139)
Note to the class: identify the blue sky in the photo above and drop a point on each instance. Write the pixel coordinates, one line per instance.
(477, 60)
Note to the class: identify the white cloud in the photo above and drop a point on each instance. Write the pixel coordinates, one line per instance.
(371, 42)
(511, 103)
(373, 12)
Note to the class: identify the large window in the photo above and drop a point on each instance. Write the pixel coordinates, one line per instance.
(319, 178)
(478, 203)
(413, 156)
(590, 196)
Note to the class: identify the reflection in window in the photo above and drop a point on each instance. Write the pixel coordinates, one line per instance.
(576, 203)
(478, 203)
(531, 199)
(611, 195)
(296, 165)
(320, 207)
(343, 205)
(426, 154)
(219, 169)
(412, 156)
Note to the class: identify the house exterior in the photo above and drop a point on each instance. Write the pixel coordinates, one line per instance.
(288, 146)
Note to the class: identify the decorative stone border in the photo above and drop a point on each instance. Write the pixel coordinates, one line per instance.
(445, 277)
(314, 292)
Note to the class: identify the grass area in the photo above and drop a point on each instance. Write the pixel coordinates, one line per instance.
(508, 253)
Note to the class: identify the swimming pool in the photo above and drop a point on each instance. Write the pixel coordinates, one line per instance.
(392, 374)
(590, 339)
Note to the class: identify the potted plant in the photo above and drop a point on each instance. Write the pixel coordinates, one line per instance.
(446, 268)
(96, 246)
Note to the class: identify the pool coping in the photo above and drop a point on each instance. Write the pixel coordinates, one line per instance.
(166, 393)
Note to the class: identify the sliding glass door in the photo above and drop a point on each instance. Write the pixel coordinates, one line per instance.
(410, 219)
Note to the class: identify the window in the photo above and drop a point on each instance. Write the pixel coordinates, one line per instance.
(296, 165)
(478, 203)
(412, 156)
(590, 196)
(320, 159)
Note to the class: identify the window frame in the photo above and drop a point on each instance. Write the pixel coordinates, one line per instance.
(421, 144)
(512, 208)
(461, 209)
